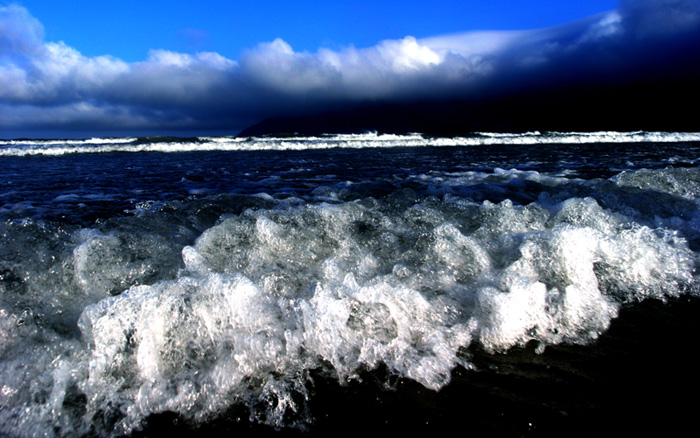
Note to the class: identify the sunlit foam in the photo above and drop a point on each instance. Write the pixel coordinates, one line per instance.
(244, 312)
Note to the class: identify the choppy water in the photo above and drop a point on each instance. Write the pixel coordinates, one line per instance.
(306, 284)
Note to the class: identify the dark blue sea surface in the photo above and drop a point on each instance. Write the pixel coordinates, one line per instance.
(534, 285)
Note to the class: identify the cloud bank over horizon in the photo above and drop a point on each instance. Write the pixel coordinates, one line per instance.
(51, 87)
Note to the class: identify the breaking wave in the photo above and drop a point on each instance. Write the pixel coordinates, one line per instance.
(195, 305)
(355, 141)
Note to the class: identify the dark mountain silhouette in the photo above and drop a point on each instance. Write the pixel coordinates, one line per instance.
(650, 106)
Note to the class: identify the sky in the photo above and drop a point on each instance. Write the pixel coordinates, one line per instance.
(128, 29)
(85, 68)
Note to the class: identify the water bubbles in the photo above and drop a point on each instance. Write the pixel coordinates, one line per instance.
(272, 289)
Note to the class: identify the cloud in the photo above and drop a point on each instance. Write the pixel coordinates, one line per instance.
(646, 18)
(20, 33)
(51, 85)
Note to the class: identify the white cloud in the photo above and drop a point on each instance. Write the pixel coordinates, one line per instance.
(408, 55)
(20, 33)
(475, 43)
(14, 79)
(45, 81)
(276, 66)
(170, 59)
(610, 25)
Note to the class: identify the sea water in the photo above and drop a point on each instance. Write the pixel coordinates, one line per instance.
(210, 283)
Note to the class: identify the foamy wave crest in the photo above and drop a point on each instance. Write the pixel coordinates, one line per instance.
(356, 141)
(247, 311)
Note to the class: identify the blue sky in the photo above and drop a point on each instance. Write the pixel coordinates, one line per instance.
(128, 29)
(82, 68)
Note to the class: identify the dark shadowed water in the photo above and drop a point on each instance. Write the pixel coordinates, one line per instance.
(542, 289)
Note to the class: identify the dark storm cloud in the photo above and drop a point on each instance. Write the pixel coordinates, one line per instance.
(51, 85)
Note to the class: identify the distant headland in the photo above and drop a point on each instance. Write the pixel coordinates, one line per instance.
(630, 107)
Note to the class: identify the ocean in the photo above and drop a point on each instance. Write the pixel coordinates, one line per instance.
(535, 284)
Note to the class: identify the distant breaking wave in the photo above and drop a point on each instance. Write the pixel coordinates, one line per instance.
(27, 147)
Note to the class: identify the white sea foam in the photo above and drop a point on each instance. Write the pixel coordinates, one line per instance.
(99, 328)
(243, 313)
(355, 141)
